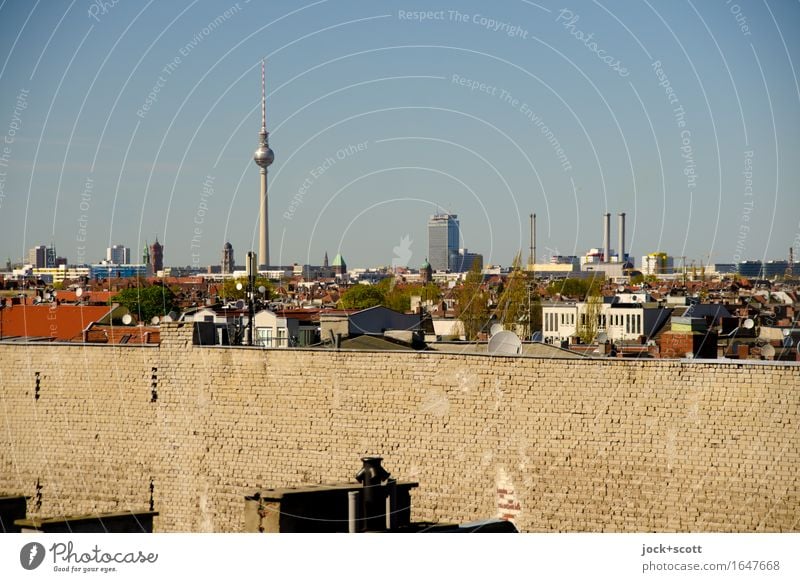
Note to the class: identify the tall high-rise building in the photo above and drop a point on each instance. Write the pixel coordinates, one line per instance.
(263, 157)
(228, 263)
(118, 255)
(157, 256)
(443, 239)
(42, 256)
(461, 260)
(37, 256)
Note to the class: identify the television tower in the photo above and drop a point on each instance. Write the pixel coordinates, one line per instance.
(263, 157)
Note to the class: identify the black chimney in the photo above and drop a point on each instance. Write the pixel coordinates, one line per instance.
(373, 501)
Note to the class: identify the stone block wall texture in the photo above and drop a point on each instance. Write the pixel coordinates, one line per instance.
(557, 445)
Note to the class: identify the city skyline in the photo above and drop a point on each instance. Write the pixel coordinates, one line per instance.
(692, 132)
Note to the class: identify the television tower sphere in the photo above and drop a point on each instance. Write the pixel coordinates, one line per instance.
(263, 156)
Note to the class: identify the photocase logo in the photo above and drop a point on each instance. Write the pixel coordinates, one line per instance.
(31, 555)
(402, 252)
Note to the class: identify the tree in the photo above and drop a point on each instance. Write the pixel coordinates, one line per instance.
(429, 292)
(362, 297)
(231, 293)
(395, 296)
(513, 305)
(589, 319)
(570, 287)
(472, 303)
(146, 302)
(398, 296)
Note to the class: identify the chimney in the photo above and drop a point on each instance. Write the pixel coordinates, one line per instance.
(606, 237)
(374, 478)
(621, 244)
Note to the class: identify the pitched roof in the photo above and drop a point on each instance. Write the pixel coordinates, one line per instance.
(52, 321)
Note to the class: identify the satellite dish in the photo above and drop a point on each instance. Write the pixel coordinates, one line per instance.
(634, 298)
(495, 329)
(788, 341)
(749, 323)
(537, 337)
(55, 293)
(173, 315)
(786, 332)
(239, 286)
(240, 304)
(47, 296)
(262, 289)
(768, 351)
(36, 301)
(155, 320)
(504, 343)
(602, 337)
(166, 319)
(78, 292)
(127, 319)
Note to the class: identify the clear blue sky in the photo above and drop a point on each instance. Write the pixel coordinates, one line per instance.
(75, 78)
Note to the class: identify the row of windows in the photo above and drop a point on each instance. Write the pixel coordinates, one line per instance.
(264, 338)
(631, 321)
(551, 320)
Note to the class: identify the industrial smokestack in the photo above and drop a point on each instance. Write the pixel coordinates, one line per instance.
(621, 245)
(532, 256)
(607, 237)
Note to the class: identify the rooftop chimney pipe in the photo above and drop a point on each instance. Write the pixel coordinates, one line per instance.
(373, 502)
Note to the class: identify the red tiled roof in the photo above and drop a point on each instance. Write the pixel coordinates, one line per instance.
(57, 322)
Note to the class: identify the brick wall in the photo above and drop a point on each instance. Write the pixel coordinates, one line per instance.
(558, 445)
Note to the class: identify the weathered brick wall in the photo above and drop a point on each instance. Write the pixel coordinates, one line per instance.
(560, 445)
